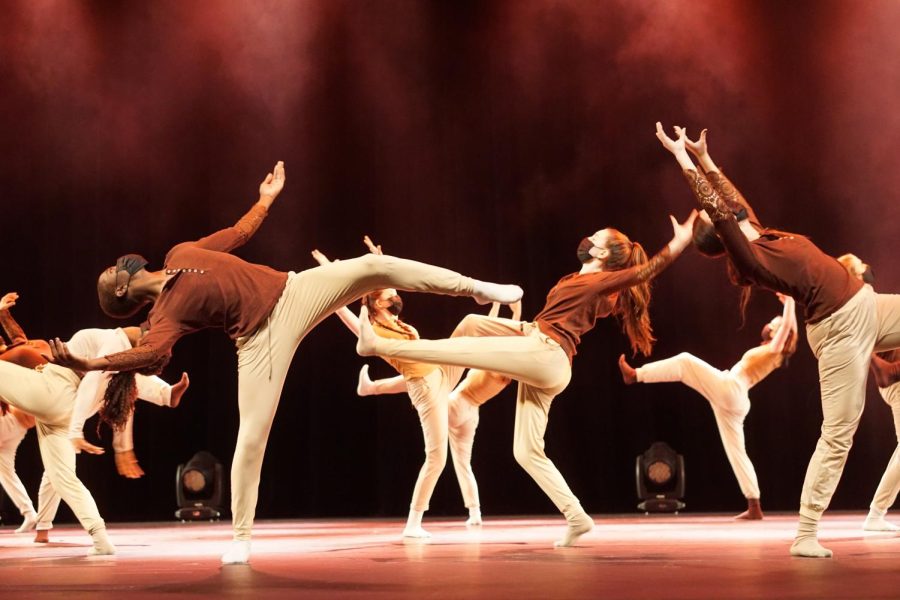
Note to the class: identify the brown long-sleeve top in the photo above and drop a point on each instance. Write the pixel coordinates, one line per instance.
(20, 351)
(579, 299)
(790, 264)
(209, 288)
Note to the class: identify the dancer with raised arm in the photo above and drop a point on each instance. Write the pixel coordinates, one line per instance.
(614, 280)
(886, 370)
(463, 415)
(728, 391)
(845, 320)
(266, 312)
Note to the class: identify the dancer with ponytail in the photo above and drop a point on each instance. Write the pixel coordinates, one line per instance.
(727, 391)
(429, 388)
(614, 280)
(845, 320)
(266, 312)
(463, 416)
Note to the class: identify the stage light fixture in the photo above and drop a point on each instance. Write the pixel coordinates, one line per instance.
(660, 479)
(199, 486)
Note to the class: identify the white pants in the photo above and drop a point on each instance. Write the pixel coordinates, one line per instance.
(151, 389)
(463, 421)
(49, 395)
(843, 343)
(887, 490)
(265, 356)
(10, 481)
(727, 395)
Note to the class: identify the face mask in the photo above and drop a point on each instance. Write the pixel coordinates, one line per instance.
(395, 306)
(868, 276)
(131, 264)
(584, 251)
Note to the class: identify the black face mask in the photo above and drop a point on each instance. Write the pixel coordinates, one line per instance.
(584, 251)
(395, 306)
(131, 264)
(868, 276)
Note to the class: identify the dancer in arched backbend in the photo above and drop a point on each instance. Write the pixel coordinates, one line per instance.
(614, 279)
(845, 320)
(266, 312)
(728, 391)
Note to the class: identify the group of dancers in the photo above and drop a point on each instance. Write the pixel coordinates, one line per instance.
(268, 313)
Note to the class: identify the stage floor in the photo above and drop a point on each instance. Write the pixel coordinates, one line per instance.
(682, 556)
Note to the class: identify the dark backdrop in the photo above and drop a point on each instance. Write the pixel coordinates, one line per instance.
(488, 137)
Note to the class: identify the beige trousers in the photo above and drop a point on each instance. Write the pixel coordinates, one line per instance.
(463, 419)
(843, 344)
(727, 395)
(265, 356)
(886, 493)
(49, 395)
(520, 351)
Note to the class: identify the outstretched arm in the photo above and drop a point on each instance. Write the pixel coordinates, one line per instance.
(226, 240)
(11, 329)
(788, 326)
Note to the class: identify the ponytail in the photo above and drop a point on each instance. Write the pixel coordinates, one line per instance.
(632, 306)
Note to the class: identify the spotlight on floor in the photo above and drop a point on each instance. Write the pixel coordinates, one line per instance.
(198, 488)
(660, 479)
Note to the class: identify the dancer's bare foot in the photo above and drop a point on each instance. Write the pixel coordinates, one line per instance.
(178, 390)
(42, 536)
(365, 386)
(884, 372)
(754, 511)
(365, 345)
(629, 375)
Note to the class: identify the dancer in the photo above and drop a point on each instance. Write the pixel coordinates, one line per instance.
(463, 416)
(429, 387)
(845, 320)
(727, 391)
(886, 369)
(614, 279)
(266, 312)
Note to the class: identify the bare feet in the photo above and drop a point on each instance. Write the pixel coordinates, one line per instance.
(754, 511)
(178, 390)
(365, 345)
(629, 375)
(42, 536)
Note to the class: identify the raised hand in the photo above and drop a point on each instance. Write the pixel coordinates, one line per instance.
(672, 145)
(62, 357)
(682, 232)
(371, 245)
(82, 445)
(274, 182)
(320, 258)
(698, 148)
(8, 300)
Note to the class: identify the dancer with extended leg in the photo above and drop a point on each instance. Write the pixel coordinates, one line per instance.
(614, 279)
(727, 391)
(463, 415)
(266, 312)
(845, 320)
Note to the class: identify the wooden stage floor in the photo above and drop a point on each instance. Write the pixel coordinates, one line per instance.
(683, 556)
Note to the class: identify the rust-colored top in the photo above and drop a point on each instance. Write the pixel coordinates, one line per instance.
(481, 386)
(409, 370)
(209, 288)
(786, 263)
(578, 300)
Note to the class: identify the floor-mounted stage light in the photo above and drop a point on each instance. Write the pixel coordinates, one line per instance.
(198, 488)
(660, 479)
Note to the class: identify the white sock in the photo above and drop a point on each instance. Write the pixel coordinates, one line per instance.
(579, 524)
(102, 545)
(238, 553)
(474, 516)
(875, 522)
(365, 344)
(807, 543)
(28, 522)
(365, 386)
(486, 292)
(414, 525)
